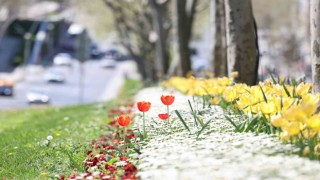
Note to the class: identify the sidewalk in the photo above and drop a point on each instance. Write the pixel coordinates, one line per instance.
(125, 70)
(218, 154)
(20, 73)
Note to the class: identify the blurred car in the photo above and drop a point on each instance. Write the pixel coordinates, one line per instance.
(62, 59)
(55, 76)
(6, 88)
(108, 63)
(95, 52)
(112, 54)
(37, 97)
(116, 54)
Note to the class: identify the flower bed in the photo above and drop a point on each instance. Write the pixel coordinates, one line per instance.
(174, 152)
(274, 107)
(109, 156)
(178, 136)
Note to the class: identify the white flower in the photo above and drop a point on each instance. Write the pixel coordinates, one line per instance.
(120, 163)
(49, 138)
(46, 142)
(96, 174)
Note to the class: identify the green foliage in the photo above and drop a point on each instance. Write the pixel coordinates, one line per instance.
(182, 120)
(25, 154)
(264, 95)
(203, 127)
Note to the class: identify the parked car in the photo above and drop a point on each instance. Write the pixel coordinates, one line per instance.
(112, 54)
(55, 76)
(95, 52)
(62, 59)
(108, 63)
(6, 88)
(37, 97)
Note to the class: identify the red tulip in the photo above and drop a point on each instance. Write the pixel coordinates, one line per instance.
(164, 116)
(123, 120)
(143, 106)
(167, 100)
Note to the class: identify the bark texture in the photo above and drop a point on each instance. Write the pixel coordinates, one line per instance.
(241, 41)
(158, 13)
(220, 45)
(184, 12)
(315, 40)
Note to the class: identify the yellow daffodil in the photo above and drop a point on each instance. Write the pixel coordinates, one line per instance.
(231, 95)
(314, 122)
(267, 108)
(234, 74)
(317, 149)
(215, 100)
(311, 98)
(285, 137)
(278, 121)
(303, 88)
(295, 113)
(292, 128)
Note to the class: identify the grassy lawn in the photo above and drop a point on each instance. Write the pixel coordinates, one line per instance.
(24, 154)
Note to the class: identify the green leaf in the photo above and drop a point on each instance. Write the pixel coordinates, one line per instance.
(252, 124)
(264, 95)
(286, 90)
(237, 128)
(274, 81)
(190, 105)
(203, 127)
(154, 121)
(294, 91)
(182, 120)
(204, 102)
(72, 160)
(200, 121)
(111, 161)
(242, 126)
(294, 82)
(193, 113)
(137, 150)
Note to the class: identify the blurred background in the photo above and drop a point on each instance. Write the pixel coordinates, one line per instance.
(66, 52)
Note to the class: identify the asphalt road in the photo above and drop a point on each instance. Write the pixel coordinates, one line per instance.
(99, 84)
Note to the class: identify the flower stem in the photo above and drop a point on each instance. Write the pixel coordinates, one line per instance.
(168, 113)
(144, 126)
(168, 117)
(124, 138)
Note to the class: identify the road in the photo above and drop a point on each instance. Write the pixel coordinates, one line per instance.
(99, 84)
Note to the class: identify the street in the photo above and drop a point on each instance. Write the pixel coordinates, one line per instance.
(99, 84)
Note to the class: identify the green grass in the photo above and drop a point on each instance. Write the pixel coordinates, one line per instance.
(23, 152)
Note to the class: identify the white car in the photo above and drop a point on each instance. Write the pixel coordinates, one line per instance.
(37, 97)
(62, 59)
(55, 76)
(108, 63)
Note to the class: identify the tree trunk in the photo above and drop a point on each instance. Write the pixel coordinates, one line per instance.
(220, 44)
(242, 53)
(162, 62)
(315, 41)
(184, 10)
